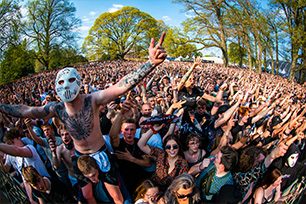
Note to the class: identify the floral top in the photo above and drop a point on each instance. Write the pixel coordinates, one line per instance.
(161, 176)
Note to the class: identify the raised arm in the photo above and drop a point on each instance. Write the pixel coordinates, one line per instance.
(23, 111)
(15, 150)
(197, 61)
(156, 56)
(32, 134)
(279, 151)
(262, 114)
(227, 115)
(142, 143)
(115, 130)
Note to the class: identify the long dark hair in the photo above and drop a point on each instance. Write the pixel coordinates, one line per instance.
(270, 177)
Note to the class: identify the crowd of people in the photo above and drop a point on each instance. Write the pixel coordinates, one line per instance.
(106, 132)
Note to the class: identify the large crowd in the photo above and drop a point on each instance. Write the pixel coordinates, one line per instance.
(187, 133)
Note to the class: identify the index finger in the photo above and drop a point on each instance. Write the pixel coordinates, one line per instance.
(161, 39)
(128, 95)
(182, 102)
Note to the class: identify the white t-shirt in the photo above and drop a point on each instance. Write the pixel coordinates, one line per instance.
(18, 162)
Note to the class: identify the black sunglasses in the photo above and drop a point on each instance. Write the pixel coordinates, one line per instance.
(184, 196)
(173, 146)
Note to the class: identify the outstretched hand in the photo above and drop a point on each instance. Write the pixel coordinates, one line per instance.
(197, 61)
(157, 54)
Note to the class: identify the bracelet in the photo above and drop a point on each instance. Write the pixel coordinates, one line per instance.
(153, 130)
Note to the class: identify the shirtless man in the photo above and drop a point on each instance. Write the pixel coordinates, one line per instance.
(79, 112)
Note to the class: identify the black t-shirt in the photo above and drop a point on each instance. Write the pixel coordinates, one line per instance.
(190, 98)
(100, 191)
(200, 117)
(132, 173)
(237, 128)
(105, 124)
(210, 133)
(55, 195)
(110, 177)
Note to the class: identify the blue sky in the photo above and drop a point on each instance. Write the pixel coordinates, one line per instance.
(88, 10)
(173, 14)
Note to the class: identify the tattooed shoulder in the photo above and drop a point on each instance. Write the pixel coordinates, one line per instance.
(44, 111)
(59, 109)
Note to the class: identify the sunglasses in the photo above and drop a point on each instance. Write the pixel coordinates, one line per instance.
(184, 196)
(173, 146)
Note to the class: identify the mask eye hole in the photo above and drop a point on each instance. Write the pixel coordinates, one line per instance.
(71, 80)
(61, 82)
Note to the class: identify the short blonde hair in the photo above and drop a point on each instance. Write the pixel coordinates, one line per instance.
(86, 164)
(45, 126)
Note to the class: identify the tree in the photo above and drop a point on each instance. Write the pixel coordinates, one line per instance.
(176, 45)
(240, 31)
(51, 23)
(17, 62)
(61, 57)
(255, 23)
(117, 34)
(208, 25)
(9, 24)
(295, 15)
(236, 54)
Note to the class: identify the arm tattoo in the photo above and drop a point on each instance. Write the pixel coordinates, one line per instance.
(26, 111)
(13, 110)
(49, 107)
(133, 78)
(43, 112)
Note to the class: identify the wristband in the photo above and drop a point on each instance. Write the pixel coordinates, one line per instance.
(153, 130)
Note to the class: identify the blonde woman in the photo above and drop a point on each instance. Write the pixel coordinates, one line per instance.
(182, 191)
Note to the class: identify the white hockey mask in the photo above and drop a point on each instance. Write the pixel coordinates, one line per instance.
(292, 159)
(68, 84)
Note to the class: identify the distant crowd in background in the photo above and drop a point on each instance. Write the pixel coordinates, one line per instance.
(188, 133)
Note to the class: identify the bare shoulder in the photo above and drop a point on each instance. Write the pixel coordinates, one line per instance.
(259, 192)
(100, 97)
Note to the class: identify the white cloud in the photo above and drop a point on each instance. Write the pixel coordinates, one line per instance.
(166, 18)
(115, 8)
(189, 14)
(83, 28)
(85, 19)
(92, 13)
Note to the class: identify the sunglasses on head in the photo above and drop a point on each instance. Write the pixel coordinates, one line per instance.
(173, 146)
(184, 196)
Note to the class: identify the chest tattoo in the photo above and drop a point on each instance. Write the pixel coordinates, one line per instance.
(80, 125)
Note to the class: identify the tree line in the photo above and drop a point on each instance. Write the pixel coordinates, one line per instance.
(247, 32)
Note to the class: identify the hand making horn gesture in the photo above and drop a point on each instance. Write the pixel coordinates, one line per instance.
(157, 54)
